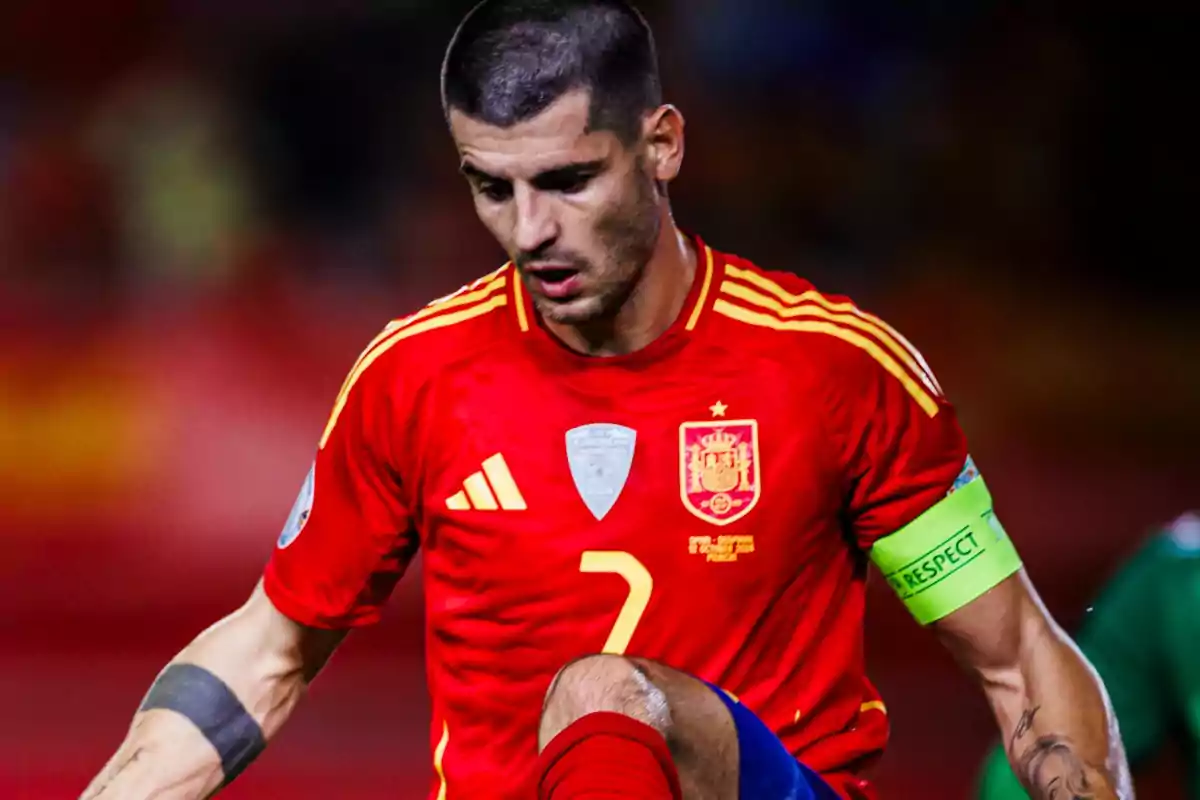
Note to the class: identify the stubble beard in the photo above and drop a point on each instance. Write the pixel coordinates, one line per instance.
(628, 234)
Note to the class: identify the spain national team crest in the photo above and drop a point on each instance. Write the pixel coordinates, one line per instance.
(719, 477)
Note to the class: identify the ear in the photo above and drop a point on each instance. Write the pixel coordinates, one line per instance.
(663, 133)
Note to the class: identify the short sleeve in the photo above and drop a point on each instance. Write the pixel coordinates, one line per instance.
(350, 535)
(900, 442)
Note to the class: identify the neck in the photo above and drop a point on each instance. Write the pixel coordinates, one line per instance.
(652, 306)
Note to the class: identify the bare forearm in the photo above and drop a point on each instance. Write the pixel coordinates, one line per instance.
(210, 712)
(163, 756)
(1058, 728)
(185, 742)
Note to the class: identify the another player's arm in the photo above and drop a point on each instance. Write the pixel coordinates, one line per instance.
(214, 707)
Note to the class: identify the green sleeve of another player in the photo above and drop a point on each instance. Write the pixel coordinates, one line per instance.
(1123, 638)
(997, 781)
(1180, 627)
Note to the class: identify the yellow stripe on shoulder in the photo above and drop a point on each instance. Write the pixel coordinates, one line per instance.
(471, 293)
(741, 314)
(873, 705)
(891, 338)
(477, 303)
(853, 319)
(475, 291)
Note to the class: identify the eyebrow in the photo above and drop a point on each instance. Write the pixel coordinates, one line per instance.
(471, 171)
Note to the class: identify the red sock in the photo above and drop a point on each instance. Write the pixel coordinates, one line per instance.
(608, 755)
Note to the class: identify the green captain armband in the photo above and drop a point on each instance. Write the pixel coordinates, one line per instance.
(949, 555)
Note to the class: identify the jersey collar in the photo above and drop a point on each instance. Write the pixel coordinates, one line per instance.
(691, 318)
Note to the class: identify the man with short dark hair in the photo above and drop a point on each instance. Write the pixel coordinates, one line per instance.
(646, 477)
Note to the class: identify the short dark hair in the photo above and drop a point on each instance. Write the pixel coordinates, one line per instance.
(511, 59)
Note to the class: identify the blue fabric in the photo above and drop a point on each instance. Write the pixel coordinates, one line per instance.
(766, 770)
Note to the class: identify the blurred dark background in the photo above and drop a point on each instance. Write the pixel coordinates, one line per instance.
(207, 207)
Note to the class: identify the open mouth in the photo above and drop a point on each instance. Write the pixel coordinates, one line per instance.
(554, 274)
(555, 282)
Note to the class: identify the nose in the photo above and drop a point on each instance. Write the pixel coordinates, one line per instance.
(536, 225)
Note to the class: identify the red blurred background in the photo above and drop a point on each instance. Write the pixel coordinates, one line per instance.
(207, 208)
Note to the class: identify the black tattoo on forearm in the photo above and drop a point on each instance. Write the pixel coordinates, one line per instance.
(1054, 771)
(212, 707)
(1024, 726)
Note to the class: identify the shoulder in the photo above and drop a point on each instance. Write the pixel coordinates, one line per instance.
(1181, 538)
(462, 325)
(459, 325)
(1156, 556)
(785, 314)
(1177, 540)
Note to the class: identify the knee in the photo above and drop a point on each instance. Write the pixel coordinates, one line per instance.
(602, 683)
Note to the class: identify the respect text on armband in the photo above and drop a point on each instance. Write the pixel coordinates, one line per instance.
(939, 563)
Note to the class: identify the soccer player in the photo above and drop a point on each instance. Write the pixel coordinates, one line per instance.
(1143, 635)
(647, 478)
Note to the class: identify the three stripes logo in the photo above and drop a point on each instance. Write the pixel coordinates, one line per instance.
(491, 489)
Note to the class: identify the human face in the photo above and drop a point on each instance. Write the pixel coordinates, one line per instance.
(576, 210)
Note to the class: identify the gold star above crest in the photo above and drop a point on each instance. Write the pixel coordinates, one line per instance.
(718, 409)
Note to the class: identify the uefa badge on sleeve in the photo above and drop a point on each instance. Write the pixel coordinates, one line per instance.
(300, 511)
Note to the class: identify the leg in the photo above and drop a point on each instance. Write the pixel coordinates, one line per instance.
(694, 722)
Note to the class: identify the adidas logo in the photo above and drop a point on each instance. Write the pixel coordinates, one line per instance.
(489, 490)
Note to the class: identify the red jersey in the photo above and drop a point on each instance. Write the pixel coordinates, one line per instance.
(706, 502)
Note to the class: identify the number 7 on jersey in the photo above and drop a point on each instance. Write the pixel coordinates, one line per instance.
(641, 585)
